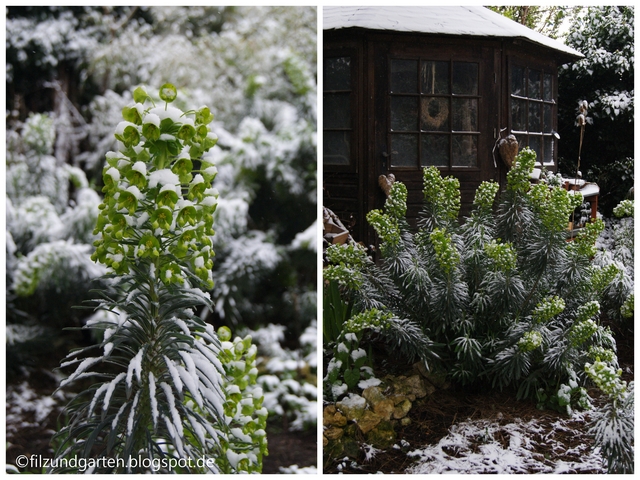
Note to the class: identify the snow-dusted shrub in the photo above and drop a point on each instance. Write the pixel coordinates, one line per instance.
(502, 298)
(612, 424)
(288, 377)
(49, 228)
(173, 394)
(31, 168)
(604, 76)
(615, 247)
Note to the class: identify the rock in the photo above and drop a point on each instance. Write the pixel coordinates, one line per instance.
(333, 447)
(383, 436)
(396, 399)
(416, 385)
(402, 409)
(411, 387)
(352, 407)
(373, 395)
(369, 421)
(329, 410)
(333, 433)
(434, 379)
(331, 416)
(406, 421)
(384, 408)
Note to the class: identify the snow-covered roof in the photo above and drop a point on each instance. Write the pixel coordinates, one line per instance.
(473, 20)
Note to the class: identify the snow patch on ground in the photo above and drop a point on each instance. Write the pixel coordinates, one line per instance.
(295, 469)
(485, 446)
(25, 408)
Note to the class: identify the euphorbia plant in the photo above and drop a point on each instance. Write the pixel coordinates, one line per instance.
(172, 395)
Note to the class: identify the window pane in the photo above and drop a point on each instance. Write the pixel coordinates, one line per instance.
(517, 81)
(536, 145)
(535, 123)
(337, 73)
(435, 151)
(547, 87)
(404, 113)
(337, 148)
(404, 76)
(465, 114)
(465, 78)
(435, 114)
(518, 115)
(337, 110)
(464, 151)
(404, 150)
(435, 77)
(534, 84)
(548, 118)
(548, 150)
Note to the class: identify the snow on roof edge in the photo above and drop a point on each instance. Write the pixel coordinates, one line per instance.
(454, 20)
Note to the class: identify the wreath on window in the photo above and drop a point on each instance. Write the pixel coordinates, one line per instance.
(436, 113)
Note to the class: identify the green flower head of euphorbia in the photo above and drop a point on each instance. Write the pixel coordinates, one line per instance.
(137, 175)
(154, 195)
(151, 127)
(209, 171)
(118, 225)
(111, 177)
(128, 134)
(187, 215)
(161, 218)
(197, 188)
(183, 165)
(128, 199)
(149, 246)
(167, 197)
(187, 130)
(171, 273)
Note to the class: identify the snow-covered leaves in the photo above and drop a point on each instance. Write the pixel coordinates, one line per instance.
(288, 377)
(169, 374)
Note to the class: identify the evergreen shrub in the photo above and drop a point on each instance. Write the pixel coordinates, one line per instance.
(171, 394)
(502, 298)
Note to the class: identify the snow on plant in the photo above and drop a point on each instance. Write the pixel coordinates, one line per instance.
(613, 424)
(288, 377)
(257, 65)
(502, 297)
(615, 255)
(49, 231)
(174, 388)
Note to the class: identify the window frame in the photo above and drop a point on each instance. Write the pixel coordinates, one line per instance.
(551, 135)
(354, 120)
(450, 59)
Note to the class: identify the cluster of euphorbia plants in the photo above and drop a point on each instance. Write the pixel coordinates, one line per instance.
(172, 395)
(502, 298)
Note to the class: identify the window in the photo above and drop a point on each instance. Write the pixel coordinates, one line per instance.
(337, 98)
(433, 113)
(532, 108)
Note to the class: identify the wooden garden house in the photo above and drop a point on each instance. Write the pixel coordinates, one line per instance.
(409, 87)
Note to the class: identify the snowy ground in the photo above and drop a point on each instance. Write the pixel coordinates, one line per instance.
(484, 446)
(481, 432)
